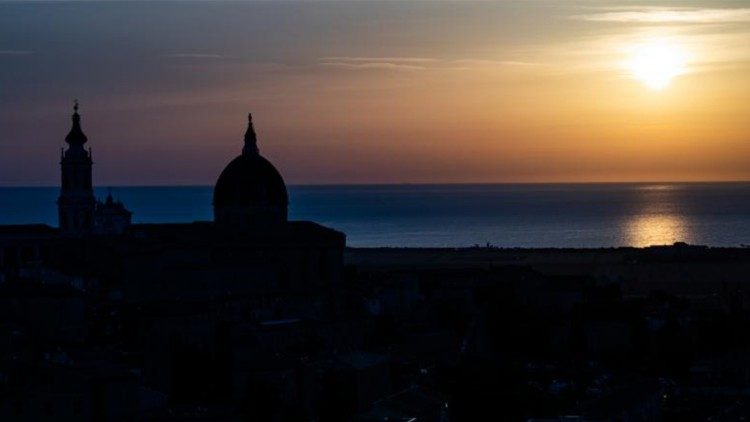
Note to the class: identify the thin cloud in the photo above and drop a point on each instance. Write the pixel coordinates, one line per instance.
(15, 52)
(373, 65)
(483, 62)
(414, 63)
(195, 56)
(670, 15)
(379, 59)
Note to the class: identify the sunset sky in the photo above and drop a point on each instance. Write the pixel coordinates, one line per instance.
(379, 92)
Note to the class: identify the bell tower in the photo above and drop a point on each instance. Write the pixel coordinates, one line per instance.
(76, 203)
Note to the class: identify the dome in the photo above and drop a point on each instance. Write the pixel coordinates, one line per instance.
(250, 180)
(250, 191)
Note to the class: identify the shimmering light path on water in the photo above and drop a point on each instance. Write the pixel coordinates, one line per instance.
(508, 215)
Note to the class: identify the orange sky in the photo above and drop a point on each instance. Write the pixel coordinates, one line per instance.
(376, 92)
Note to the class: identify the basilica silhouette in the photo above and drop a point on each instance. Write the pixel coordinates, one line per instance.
(250, 245)
(250, 194)
(123, 320)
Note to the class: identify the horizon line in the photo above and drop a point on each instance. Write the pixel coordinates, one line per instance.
(192, 185)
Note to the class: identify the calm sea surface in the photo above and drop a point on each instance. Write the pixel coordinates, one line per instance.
(508, 215)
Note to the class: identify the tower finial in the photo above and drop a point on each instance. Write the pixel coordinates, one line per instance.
(251, 142)
(76, 135)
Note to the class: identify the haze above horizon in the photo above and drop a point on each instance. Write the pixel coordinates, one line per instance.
(379, 92)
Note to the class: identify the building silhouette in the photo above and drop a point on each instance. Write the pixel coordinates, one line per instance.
(188, 299)
(79, 213)
(250, 192)
(249, 244)
(76, 204)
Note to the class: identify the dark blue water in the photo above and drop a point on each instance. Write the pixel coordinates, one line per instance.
(523, 215)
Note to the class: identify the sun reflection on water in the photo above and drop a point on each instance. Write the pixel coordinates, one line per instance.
(659, 220)
(656, 229)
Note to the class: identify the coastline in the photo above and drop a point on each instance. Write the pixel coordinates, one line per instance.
(681, 269)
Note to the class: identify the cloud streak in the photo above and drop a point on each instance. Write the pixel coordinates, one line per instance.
(649, 15)
(414, 63)
(379, 59)
(485, 62)
(15, 52)
(373, 65)
(377, 63)
(195, 56)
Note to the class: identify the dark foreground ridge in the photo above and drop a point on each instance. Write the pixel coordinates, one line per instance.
(434, 334)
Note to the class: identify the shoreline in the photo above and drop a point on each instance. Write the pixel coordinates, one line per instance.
(613, 260)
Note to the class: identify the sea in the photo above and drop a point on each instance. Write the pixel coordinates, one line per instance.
(499, 215)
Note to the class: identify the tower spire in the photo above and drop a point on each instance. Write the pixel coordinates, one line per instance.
(76, 204)
(76, 135)
(251, 142)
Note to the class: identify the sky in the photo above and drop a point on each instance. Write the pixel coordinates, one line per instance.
(379, 91)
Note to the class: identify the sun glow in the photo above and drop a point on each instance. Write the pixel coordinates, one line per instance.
(657, 62)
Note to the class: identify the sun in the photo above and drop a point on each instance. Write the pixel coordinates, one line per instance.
(656, 62)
